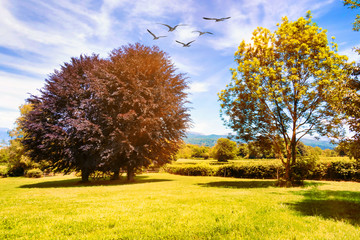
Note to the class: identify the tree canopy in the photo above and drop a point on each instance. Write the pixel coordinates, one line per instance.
(351, 102)
(126, 111)
(284, 86)
(225, 149)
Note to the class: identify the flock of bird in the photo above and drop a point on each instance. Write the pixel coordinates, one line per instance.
(171, 29)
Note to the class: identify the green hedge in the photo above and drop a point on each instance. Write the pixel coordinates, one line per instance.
(248, 170)
(348, 171)
(335, 171)
(191, 169)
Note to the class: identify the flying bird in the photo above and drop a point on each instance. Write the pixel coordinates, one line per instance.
(172, 28)
(202, 33)
(216, 19)
(155, 37)
(185, 44)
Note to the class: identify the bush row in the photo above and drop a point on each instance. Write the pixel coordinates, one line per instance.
(249, 170)
(31, 173)
(337, 170)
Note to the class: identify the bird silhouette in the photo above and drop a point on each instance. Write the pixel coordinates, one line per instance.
(202, 33)
(216, 19)
(185, 44)
(155, 37)
(172, 28)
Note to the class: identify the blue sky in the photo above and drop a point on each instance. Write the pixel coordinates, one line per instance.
(37, 36)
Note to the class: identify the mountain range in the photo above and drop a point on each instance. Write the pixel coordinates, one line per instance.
(210, 140)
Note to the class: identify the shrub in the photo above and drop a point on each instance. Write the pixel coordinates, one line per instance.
(3, 171)
(4, 154)
(305, 168)
(18, 166)
(34, 173)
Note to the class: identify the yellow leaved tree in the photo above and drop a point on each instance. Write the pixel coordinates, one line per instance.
(284, 87)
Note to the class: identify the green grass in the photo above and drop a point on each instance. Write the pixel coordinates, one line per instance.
(164, 206)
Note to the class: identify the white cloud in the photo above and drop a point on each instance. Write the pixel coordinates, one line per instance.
(186, 65)
(198, 87)
(352, 55)
(210, 127)
(7, 118)
(16, 88)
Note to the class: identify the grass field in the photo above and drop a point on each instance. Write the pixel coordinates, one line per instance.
(164, 206)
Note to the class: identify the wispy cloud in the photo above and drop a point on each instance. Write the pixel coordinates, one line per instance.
(248, 15)
(197, 87)
(351, 54)
(16, 88)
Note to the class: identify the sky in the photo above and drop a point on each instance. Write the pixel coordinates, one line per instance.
(38, 36)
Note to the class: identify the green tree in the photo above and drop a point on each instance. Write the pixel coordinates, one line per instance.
(302, 149)
(185, 151)
(262, 147)
(242, 150)
(224, 150)
(283, 87)
(18, 161)
(351, 103)
(200, 151)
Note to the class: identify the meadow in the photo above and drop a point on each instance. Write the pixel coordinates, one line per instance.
(165, 206)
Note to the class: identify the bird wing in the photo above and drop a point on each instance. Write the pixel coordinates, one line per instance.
(209, 32)
(179, 42)
(166, 25)
(225, 18)
(197, 31)
(190, 42)
(206, 18)
(151, 33)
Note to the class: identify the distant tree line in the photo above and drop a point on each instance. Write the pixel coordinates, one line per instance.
(226, 149)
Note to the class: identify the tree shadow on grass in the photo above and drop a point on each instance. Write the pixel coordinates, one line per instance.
(334, 205)
(76, 182)
(240, 184)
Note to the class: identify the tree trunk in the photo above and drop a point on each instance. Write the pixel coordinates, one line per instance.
(115, 175)
(130, 174)
(288, 171)
(85, 173)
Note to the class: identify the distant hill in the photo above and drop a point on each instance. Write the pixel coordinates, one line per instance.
(200, 139)
(210, 140)
(318, 143)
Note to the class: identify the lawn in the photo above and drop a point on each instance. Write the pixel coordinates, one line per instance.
(164, 206)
